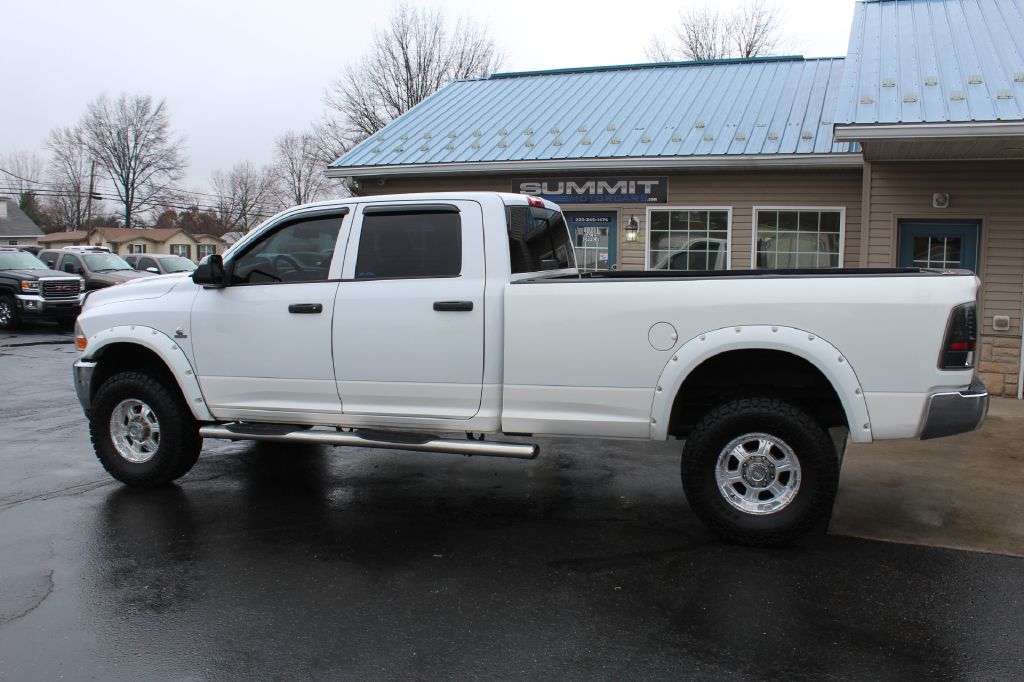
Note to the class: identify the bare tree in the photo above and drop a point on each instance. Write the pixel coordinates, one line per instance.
(705, 32)
(131, 140)
(298, 168)
(21, 172)
(408, 60)
(69, 172)
(245, 195)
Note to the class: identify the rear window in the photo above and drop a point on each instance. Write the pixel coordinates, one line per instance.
(407, 245)
(538, 239)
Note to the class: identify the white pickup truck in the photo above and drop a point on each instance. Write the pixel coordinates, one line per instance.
(391, 321)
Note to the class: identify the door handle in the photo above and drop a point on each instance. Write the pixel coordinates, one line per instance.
(453, 306)
(306, 308)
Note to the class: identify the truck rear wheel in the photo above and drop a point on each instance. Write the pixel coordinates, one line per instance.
(143, 433)
(760, 471)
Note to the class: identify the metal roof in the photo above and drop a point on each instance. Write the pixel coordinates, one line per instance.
(934, 61)
(748, 107)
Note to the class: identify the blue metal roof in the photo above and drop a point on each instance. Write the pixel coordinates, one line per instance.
(765, 106)
(934, 61)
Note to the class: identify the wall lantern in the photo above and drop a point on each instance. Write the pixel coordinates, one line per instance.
(632, 229)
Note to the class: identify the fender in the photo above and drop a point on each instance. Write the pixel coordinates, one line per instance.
(812, 348)
(167, 350)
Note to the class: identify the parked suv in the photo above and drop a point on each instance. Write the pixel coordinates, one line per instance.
(159, 263)
(30, 289)
(98, 267)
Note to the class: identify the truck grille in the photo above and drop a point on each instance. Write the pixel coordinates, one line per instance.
(57, 289)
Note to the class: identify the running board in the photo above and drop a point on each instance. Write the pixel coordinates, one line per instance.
(370, 439)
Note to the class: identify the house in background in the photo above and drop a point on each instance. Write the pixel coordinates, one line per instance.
(125, 240)
(16, 228)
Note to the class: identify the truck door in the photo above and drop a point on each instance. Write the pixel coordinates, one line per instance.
(409, 317)
(262, 344)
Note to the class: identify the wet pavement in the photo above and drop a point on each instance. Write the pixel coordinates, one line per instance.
(291, 563)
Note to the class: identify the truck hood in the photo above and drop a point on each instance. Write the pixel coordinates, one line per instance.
(118, 276)
(33, 275)
(146, 286)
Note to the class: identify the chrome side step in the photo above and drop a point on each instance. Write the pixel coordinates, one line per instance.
(370, 439)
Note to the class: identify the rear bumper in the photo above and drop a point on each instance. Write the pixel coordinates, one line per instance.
(82, 372)
(952, 412)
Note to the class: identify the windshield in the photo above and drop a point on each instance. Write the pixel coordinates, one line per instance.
(102, 262)
(19, 260)
(177, 264)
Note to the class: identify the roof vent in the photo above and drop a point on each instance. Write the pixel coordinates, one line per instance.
(452, 135)
(586, 141)
(1019, 78)
(867, 99)
(699, 124)
(889, 83)
(616, 140)
(741, 137)
(475, 145)
(399, 149)
(611, 127)
(502, 144)
(806, 135)
(581, 129)
(449, 147)
(931, 80)
(975, 79)
(909, 98)
(1004, 94)
(427, 136)
(530, 143)
(773, 136)
(557, 143)
(403, 138)
(760, 125)
(375, 150)
(676, 138)
(502, 132)
(477, 133)
(957, 96)
(555, 131)
(528, 131)
(709, 138)
(424, 148)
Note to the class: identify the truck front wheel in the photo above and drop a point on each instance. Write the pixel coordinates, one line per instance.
(760, 471)
(9, 316)
(143, 433)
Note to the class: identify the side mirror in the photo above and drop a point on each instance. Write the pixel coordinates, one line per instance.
(153, 270)
(211, 272)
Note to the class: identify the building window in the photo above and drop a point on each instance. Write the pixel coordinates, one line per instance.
(688, 239)
(790, 238)
(136, 248)
(12, 242)
(183, 250)
(204, 250)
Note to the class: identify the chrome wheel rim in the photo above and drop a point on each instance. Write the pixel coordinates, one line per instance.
(6, 314)
(135, 431)
(758, 473)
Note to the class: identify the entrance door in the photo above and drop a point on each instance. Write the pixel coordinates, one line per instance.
(945, 244)
(409, 316)
(593, 235)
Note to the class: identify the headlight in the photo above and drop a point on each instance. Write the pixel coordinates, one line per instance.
(32, 287)
(80, 341)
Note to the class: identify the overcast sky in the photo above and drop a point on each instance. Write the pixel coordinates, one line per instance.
(238, 73)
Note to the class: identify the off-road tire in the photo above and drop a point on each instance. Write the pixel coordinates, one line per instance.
(809, 510)
(13, 318)
(180, 442)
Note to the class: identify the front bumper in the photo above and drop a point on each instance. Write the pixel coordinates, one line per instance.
(952, 412)
(31, 304)
(82, 373)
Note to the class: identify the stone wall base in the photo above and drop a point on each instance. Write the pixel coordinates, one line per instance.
(999, 364)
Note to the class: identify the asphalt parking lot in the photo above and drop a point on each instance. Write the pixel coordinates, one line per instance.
(288, 563)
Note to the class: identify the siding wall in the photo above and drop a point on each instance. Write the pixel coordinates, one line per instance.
(741, 191)
(990, 191)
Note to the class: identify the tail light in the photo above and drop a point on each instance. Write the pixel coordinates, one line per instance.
(961, 339)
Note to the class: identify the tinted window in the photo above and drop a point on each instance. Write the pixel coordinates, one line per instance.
(538, 239)
(104, 262)
(410, 245)
(49, 258)
(301, 251)
(69, 263)
(145, 263)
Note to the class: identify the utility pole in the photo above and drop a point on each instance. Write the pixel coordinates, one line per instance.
(88, 205)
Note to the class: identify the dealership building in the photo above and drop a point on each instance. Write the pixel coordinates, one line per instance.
(909, 151)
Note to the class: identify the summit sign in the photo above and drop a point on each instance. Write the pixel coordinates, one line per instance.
(613, 190)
